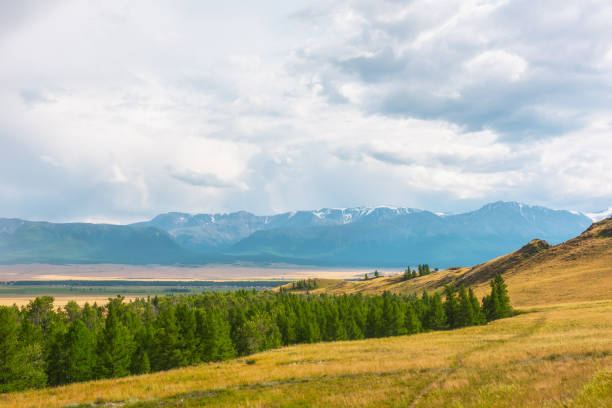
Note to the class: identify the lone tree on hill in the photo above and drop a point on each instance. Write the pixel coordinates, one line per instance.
(497, 304)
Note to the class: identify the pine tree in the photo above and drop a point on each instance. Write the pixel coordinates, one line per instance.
(505, 310)
(166, 348)
(436, 316)
(413, 324)
(353, 331)
(213, 332)
(374, 325)
(115, 344)
(140, 362)
(21, 365)
(465, 312)
(55, 354)
(8, 348)
(392, 316)
(78, 353)
(143, 344)
(451, 306)
(476, 309)
(286, 321)
(186, 334)
(497, 304)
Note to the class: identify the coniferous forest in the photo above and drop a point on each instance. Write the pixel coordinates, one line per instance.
(40, 346)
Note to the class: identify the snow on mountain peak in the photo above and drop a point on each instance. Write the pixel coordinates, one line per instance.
(598, 216)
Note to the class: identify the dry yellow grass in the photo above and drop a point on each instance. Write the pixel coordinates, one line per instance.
(554, 356)
(60, 300)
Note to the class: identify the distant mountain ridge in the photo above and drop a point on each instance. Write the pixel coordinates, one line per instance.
(576, 270)
(362, 236)
(44, 242)
(207, 233)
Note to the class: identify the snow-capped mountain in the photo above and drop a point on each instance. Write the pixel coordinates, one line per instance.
(598, 216)
(380, 234)
(362, 236)
(207, 233)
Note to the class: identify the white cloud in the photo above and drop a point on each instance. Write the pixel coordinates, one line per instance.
(496, 64)
(123, 110)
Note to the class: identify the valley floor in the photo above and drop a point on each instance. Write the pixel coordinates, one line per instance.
(553, 356)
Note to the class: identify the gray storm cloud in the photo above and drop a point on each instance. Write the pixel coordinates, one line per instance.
(121, 110)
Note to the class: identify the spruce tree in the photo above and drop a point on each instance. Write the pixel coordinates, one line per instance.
(186, 330)
(392, 316)
(413, 324)
(497, 304)
(78, 353)
(476, 309)
(213, 332)
(114, 348)
(374, 325)
(451, 306)
(436, 316)
(166, 348)
(505, 310)
(465, 312)
(8, 349)
(55, 355)
(21, 364)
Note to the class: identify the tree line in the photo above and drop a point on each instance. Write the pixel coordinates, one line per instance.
(421, 270)
(40, 346)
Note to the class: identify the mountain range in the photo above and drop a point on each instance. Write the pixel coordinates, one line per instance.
(363, 236)
(577, 270)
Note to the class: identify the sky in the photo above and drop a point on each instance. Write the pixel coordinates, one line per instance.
(116, 111)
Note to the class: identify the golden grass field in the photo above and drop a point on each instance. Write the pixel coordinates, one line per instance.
(554, 356)
(59, 300)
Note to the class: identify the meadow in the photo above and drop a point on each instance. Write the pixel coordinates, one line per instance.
(553, 356)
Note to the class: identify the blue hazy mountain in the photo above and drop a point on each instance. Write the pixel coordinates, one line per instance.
(44, 242)
(364, 236)
(209, 233)
(383, 236)
(392, 237)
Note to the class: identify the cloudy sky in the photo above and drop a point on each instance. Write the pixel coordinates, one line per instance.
(116, 111)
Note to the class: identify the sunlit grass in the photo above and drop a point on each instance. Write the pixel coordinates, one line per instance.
(555, 356)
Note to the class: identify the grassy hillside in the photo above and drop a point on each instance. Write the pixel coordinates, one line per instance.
(577, 270)
(558, 356)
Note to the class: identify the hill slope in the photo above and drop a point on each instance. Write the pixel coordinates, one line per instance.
(577, 270)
